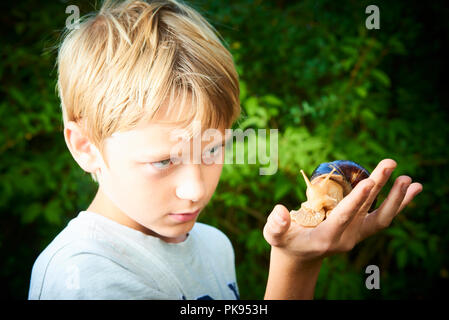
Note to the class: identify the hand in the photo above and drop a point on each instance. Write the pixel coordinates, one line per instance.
(348, 224)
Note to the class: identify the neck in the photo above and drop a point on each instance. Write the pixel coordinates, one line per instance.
(102, 205)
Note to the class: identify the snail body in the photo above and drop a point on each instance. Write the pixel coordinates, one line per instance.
(329, 183)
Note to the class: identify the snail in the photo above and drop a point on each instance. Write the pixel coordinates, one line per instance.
(329, 183)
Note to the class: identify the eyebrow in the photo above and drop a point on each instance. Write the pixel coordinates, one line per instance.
(163, 155)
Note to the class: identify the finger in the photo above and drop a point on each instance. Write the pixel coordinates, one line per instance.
(380, 176)
(277, 224)
(371, 223)
(343, 213)
(388, 209)
(412, 192)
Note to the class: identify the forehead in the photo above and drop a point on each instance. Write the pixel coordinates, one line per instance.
(144, 134)
(159, 138)
(167, 128)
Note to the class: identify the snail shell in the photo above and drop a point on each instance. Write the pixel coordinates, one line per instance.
(347, 173)
(329, 183)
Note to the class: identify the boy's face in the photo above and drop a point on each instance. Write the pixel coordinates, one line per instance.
(144, 190)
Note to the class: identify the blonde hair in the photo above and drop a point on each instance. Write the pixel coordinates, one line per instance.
(134, 59)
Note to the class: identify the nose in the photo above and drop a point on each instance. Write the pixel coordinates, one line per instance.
(191, 184)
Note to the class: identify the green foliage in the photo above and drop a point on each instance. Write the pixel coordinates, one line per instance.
(341, 92)
(332, 88)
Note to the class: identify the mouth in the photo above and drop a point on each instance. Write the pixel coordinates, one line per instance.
(185, 216)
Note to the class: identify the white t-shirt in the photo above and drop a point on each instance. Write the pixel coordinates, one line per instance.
(97, 258)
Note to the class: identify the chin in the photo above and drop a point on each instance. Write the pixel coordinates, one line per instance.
(175, 238)
(175, 233)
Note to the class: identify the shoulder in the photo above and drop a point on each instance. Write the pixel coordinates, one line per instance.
(81, 263)
(79, 238)
(84, 270)
(74, 274)
(210, 233)
(213, 238)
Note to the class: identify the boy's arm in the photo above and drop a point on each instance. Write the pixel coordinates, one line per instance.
(297, 252)
(291, 279)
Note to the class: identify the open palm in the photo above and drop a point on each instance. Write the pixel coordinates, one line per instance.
(349, 223)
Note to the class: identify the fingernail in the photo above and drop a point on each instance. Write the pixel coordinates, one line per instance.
(280, 220)
(388, 171)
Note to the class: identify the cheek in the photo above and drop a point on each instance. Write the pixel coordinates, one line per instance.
(212, 174)
(148, 189)
(135, 191)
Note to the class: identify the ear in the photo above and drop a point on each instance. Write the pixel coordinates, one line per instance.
(82, 150)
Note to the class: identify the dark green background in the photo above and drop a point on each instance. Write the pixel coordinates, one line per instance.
(311, 69)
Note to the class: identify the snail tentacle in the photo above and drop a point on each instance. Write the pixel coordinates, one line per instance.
(329, 183)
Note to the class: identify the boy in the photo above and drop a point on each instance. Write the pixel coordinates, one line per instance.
(128, 78)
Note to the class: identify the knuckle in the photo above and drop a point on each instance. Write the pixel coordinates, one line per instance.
(376, 189)
(270, 237)
(348, 246)
(274, 241)
(382, 224)
(342, 219)
(325, 246)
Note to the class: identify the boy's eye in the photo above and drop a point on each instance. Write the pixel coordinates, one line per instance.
(215, 151)
(164, 164)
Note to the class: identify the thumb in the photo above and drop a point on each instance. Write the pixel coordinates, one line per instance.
(277, 225)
